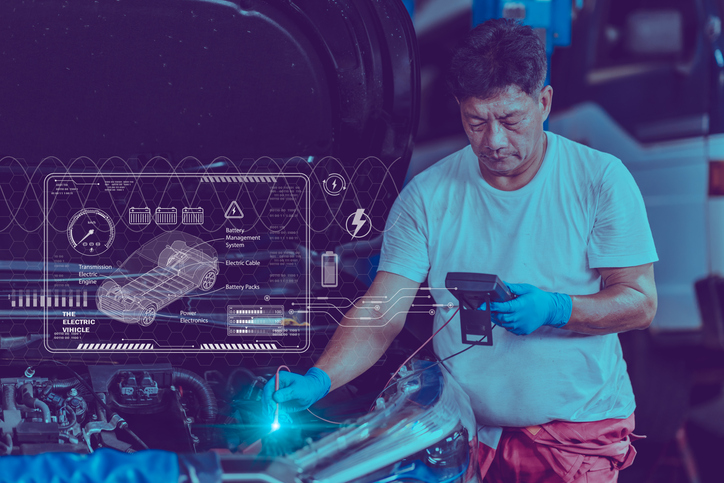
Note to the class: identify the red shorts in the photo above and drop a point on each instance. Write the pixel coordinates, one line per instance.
(560, 451)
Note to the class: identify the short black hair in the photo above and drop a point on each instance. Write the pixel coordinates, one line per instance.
(494, 55)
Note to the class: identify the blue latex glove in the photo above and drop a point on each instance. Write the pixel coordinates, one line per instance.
(531, 309)
(296, 392)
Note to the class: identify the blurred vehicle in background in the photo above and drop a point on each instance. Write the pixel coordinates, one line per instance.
(644, 81)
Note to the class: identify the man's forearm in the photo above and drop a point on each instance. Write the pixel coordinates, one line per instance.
(367, 330)
(351, 352)
(621, 306)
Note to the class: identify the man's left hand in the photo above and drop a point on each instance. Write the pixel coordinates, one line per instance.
(531, 309)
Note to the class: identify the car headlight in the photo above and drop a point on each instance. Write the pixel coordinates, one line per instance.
(451, 453)
(421, 426)
(446, 461)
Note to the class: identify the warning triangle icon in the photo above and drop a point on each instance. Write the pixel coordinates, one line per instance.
(233, 211)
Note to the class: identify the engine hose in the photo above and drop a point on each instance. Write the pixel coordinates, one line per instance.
(44, 409)
(135, 437)
(59, 384)
(26, 395)
(207, 400)
(9, 397)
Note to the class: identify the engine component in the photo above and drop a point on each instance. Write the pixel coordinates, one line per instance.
(45, 414)
(78, 406)
(10, 418)
(41, 415)
(53, 400)
(133, 392)
(6, 445)
(207, 400)
(32, 432)
(9, 398)
(98, 426)
(26, 395)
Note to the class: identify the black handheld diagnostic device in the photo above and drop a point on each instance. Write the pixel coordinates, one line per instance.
(472, 290)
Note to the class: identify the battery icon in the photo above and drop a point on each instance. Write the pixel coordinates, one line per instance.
(329, 269)
(139, 216)
(165, 216)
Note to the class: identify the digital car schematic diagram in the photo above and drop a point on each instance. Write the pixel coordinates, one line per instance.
(179, 263)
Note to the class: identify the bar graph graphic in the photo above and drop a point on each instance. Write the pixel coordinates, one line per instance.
(56, 298)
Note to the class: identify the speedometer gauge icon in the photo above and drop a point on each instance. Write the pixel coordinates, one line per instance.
(91, 231)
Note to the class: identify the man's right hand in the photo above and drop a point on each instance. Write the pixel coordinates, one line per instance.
(296, 392)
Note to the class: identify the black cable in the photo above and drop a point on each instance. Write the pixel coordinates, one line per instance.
(134, 436)
(460, 352)
(209, 408)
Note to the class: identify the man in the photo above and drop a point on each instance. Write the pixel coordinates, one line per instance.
(564, 226)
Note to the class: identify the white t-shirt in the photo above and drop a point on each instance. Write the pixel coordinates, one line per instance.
(581, 211)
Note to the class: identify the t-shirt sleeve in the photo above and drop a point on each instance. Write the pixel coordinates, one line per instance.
(404, 245)
(621, 236)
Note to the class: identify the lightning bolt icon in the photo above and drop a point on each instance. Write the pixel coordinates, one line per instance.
(233, 210)
(334, 185)
(357, 221)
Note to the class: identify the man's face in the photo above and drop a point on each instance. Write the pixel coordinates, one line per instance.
(506, 131)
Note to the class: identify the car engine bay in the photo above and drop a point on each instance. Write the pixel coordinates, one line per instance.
(52, 408)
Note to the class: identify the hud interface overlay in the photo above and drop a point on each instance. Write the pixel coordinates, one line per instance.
(173, 262)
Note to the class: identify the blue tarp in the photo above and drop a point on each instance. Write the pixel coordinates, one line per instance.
(105, 465)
